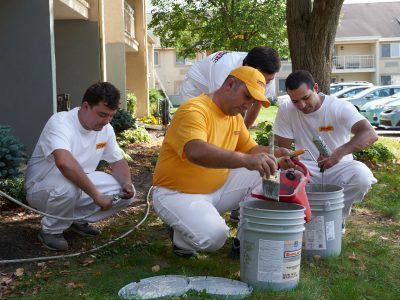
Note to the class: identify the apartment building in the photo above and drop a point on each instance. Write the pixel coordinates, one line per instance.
(57, 47)
(367, 45)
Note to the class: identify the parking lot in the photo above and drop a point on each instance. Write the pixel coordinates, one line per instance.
(391, 133)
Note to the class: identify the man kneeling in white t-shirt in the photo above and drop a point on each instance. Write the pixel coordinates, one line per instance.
(308, 114)
(61, 177)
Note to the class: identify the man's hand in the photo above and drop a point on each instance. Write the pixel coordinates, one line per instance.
(128, 190)
(105, 202)
(286, 162)
(325, 163)
(264, 163)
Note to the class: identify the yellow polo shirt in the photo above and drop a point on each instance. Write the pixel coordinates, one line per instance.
(198, 118)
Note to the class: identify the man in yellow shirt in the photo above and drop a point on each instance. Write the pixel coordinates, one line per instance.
(209, 163)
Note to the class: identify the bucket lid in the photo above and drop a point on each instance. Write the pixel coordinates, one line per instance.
(155, 287)
(229, 288)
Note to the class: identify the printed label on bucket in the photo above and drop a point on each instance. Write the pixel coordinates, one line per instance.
(330, 230)
(279, 261)
(314, 235)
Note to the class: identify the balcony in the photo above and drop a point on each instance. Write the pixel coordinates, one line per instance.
(71, 10)
(129, 26)
(353, 63)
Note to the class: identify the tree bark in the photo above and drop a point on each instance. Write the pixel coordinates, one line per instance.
(311, 27)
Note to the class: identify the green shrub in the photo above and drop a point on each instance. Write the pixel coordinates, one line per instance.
(131, 103)
(12, 154)
(122, 120)
(263, 133)
(154, 96)
(13, 187)
(375, 154)
(130, 136)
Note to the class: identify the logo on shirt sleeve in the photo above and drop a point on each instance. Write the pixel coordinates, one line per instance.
(326, 128)
(100, 145)
(236, 132)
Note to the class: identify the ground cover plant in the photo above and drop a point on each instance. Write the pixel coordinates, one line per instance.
(366, 269)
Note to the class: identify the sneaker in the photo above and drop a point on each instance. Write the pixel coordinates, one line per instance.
(235, 249)
(53, 241)
(235, 215)
(84, 229)
(186, 253)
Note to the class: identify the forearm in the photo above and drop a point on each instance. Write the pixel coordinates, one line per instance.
(363, 136)
(211, 156)
(357, 143)
(121, 172)
(74, 173)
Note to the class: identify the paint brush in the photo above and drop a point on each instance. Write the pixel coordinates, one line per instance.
(271, 184)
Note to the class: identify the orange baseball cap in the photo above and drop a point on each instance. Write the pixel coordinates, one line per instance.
(254, 81)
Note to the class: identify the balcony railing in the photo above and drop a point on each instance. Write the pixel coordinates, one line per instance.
(353, 62)
(129, 18)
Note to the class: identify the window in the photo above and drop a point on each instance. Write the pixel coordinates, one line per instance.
(156, 58)
(390, 50)
(390, 79)
(386, 80)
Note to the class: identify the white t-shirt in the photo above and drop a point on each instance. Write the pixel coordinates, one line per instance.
(64, 131)
(332, 122)
(210, 73)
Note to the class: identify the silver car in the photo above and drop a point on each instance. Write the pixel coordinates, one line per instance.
(390, 117)
(373, 93)
(350, 91)
(338, 86)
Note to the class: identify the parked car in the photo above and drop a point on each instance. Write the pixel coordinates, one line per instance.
(390, 117)
(350, 91)
(338, 86)
(373, 109)
(373, 93)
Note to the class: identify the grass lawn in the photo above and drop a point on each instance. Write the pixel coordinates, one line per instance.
(368, 267)
(267, 114)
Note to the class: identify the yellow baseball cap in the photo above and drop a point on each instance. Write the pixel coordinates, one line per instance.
(254, 81)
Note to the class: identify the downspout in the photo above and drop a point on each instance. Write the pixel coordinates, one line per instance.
(103, 65)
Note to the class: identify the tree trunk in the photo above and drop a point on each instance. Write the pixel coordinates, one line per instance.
(311, 27)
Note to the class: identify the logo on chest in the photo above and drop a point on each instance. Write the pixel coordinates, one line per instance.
(326, 128)
(100, 145)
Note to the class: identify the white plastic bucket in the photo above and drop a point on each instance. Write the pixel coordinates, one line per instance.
(323, 234)
(270, 244)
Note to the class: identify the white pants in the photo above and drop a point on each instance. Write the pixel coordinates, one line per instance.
(57, 196)
(196, 218)
(355, 178)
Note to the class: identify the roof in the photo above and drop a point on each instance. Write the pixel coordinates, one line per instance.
(369, 19)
